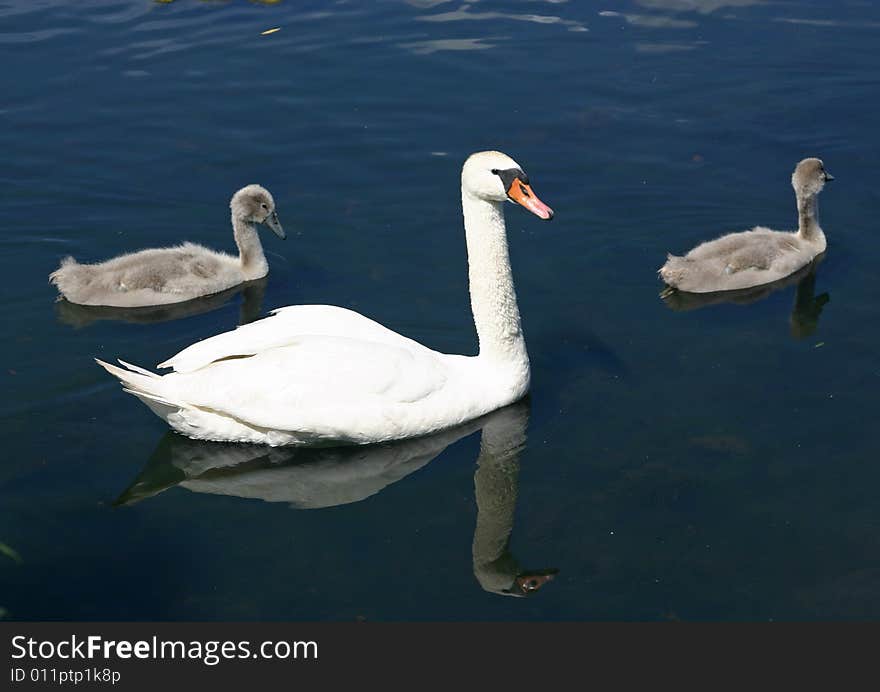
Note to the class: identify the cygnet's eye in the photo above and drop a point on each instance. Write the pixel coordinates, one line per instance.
(264, 205)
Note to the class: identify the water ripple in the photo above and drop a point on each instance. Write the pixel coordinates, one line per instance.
(34, 36)
(646, 47)
(699, 6)
(453, 44)
(828, 23)
(651, 21)
(464, 13)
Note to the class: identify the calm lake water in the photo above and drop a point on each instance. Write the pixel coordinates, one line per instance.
(716, 463)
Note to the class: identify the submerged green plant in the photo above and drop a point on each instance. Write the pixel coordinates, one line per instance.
(11, 553)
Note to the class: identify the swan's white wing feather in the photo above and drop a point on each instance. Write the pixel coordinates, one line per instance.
(325, 386)
(281, 329)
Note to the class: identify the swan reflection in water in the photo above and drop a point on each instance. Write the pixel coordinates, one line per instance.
(327, 477)
(805, 312)
(252, 293)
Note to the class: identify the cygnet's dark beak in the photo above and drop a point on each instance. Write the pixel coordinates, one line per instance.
(272, 222)
(828, 176)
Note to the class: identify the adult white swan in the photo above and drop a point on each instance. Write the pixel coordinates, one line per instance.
(318, 374)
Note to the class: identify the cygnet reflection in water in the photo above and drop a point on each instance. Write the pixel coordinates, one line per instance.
(252, 294)
(309, 478)
(805, 311)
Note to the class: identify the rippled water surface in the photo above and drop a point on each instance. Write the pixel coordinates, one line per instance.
(674, 460)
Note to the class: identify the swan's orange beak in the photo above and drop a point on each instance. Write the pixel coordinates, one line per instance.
(522, 193)
(532, 581)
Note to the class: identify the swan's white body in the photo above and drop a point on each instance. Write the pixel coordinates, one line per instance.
(318, 374)
(169, 275)
(313, 374)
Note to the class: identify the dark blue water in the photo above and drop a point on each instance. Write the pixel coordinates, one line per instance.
(710, 463)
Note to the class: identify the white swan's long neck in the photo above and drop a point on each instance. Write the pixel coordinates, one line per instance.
(250, 249)
(493, 298)
(808, 218)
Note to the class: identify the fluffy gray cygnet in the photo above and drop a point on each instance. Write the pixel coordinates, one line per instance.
(761, 255)
(173, 274)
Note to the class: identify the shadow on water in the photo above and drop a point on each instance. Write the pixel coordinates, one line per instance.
(576, 346)
(327, 477)
(252, 293)
(805, 312)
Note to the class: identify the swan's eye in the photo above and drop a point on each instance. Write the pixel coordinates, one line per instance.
(495, 171)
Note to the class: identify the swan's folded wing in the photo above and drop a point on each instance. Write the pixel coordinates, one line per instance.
(280, 329)
(325, 386)
(766, 250)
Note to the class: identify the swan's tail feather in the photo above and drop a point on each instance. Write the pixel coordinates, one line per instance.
(156, 404)
(72, 279)
(144, 385)
(145, 396)
(674, 270)
(67, 263)
(127, 377)
(137, 369)
(137, 381)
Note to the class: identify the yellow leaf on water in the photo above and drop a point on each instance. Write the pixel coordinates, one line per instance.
(270, 31)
